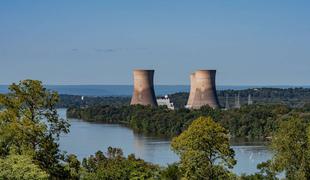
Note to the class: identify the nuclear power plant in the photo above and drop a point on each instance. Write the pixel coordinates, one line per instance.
(203, 90)
(143, 92)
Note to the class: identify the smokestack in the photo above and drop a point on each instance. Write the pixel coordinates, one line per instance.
(204, 91)
(143, 92)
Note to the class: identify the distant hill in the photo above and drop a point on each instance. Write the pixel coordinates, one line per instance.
(294, 97)
(126, 90)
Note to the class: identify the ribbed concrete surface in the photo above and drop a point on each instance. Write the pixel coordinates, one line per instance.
(143, 92)
(203, 91)
(192, 90)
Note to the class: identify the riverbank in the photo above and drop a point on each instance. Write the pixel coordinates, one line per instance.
(252, 121)
(85, 138)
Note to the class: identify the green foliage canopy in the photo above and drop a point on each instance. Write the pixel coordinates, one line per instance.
(204, 150)
(291, 145)
(115, 166)
(20, 167)
(29, 122)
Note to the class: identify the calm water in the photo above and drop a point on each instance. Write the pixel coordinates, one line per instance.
(86, 138)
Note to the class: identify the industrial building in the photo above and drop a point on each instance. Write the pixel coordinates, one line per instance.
(203, 90)
(192, 91)
(143, 92)
(165, 102)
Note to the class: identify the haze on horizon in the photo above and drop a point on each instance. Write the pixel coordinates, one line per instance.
(257, 42)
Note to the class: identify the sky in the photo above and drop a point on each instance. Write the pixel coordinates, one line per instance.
(257, 42)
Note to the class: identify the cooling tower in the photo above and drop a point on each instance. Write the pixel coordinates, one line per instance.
(143, 92)
(204, 91)
(192, 91)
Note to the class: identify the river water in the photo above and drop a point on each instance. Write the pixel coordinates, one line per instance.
(86, 138)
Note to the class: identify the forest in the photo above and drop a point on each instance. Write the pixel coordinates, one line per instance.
(251, 121)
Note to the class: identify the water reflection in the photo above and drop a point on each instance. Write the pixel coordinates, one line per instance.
(248, 157)
(86, 138)
(153, 149)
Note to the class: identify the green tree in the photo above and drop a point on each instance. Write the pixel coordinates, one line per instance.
(29, 121)
(115, 166)
(291, 146)
(73, 166)
(172, 172)
(204, 150)
(20, 167)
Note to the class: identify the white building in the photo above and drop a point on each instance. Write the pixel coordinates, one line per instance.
(165, 102)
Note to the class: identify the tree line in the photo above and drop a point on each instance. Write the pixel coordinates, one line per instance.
(293, 97)
(252, 121)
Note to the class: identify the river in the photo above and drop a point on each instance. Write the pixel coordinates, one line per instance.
(86, 138)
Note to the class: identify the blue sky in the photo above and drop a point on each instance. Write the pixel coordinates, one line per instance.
(259, 42)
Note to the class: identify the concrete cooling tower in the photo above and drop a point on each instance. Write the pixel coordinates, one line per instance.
(143, 92)
(192, 91)
(203, 90)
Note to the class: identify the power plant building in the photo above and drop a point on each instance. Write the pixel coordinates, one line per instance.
(203, 90)
(143, 92)
(165, 102)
